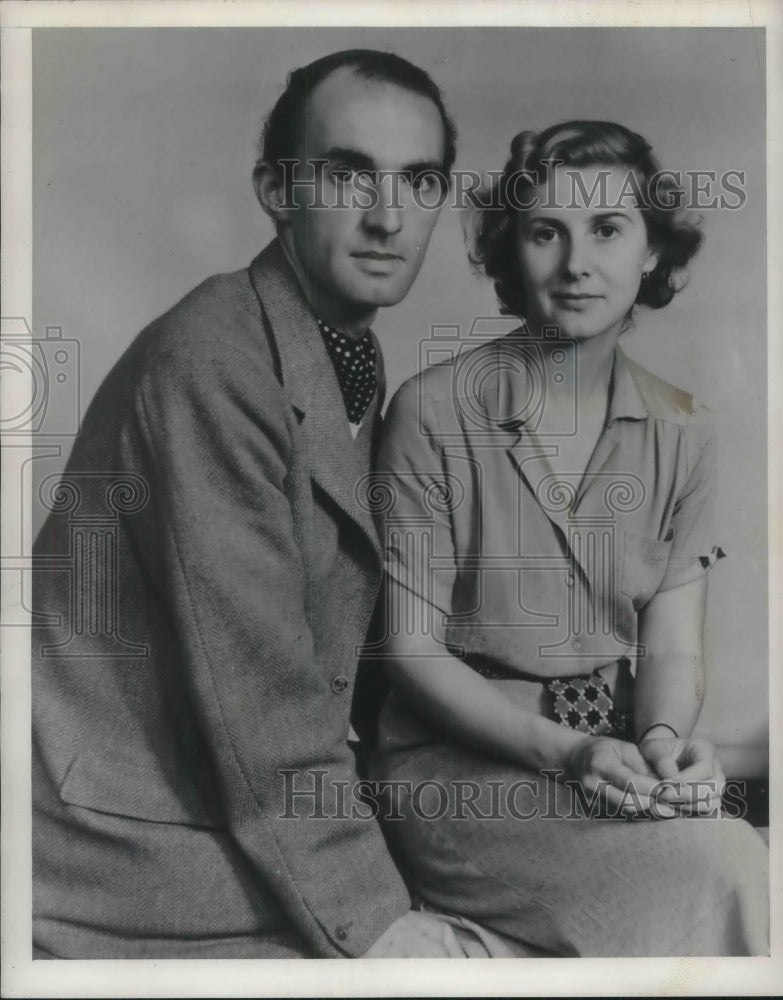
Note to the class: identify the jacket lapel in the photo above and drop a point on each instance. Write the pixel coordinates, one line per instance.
(337, 463)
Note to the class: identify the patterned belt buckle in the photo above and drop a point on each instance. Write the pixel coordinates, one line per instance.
(584, 703)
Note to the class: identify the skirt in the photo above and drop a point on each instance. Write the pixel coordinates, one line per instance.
(531, 858)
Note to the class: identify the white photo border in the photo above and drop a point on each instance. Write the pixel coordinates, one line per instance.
(225, 978)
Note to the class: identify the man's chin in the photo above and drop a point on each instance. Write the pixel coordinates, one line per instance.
(368, 303)
(383, 294)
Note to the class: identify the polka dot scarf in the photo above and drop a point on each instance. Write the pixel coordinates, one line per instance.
(354, 363)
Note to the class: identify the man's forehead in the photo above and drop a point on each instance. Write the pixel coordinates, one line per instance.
(383, 120)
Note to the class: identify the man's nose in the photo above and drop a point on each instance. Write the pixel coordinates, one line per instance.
(385, 215)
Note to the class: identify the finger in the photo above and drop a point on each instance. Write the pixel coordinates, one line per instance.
(699, 798)
(451, 946)
(625, 800)
(631, 755)
(622, 777)
(664, 763)
(704, 769)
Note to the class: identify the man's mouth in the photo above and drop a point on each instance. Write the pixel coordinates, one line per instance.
(377, 255)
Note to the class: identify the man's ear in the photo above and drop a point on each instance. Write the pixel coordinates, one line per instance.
(268, 184)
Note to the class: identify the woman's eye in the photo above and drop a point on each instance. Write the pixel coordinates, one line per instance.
(545, 235)
(606, 230)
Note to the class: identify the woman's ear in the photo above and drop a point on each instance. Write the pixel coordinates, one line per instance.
(651, 262)
(268, 184)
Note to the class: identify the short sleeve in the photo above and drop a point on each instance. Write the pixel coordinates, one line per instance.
(417, 493)
(694, 547)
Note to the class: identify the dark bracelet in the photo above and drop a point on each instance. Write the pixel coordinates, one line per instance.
(655, 726)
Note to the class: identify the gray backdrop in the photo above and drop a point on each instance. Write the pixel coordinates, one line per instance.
(144, 141)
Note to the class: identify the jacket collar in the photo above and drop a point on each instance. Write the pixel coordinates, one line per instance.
(339, 464)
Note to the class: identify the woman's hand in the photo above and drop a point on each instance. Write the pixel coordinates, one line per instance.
(692, 776)
(618, 772)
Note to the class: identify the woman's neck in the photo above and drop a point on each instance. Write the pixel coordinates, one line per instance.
(577, 376)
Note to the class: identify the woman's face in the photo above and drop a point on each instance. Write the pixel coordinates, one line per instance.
(582, 250)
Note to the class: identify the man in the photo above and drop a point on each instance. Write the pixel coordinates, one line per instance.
(194, 663)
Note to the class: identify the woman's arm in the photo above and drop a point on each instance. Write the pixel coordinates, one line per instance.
(469, 709)
(670, 673)
(668, 695)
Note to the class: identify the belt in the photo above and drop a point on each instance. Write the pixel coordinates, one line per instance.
(598, 703)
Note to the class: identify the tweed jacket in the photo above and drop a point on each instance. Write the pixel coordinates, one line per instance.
(202, 588)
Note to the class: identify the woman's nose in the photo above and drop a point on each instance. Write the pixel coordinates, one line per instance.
(577, 258)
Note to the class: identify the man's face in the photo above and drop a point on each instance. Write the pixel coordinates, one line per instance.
(381, 144)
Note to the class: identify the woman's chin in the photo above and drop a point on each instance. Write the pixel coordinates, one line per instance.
(569, 330)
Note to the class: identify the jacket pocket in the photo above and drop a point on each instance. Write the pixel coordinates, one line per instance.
(120, 788)
(644, 565)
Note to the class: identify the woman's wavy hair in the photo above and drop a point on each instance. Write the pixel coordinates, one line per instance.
(671, 231)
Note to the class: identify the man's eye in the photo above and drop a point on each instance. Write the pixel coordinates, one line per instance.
(426, 181)
(344, 173)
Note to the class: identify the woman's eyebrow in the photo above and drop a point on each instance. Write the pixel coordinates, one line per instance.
(605, 216)
(547, 220)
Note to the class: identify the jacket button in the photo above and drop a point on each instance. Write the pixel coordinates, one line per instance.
(340, 684)
(341, 933)
(570, 580)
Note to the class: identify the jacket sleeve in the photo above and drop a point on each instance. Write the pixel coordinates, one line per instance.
(210, 431)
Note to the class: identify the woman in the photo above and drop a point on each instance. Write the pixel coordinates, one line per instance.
(548, 538)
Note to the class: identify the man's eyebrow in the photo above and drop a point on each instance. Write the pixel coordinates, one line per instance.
(361, 161)
(423, 167)
(351, 157)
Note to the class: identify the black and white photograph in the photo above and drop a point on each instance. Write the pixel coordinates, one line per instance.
(388, 459)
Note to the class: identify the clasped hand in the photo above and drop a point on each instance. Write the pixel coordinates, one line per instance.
(661, 778)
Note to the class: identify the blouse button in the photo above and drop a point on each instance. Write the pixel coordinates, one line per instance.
(339, 684)
(576, 642)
